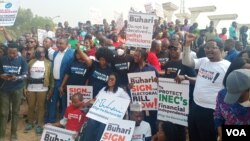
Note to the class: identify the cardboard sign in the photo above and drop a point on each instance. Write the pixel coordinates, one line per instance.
(51, 133)
(40, 35)
(140, 30)
(8, 12)
(119, 21)
(108, 106)
(118, 130)
(173, 101)
(144, 89)
(86, 91)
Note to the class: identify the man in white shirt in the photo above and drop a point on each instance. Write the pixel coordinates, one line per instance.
(208, 83)
(142, 131)
(61, 60)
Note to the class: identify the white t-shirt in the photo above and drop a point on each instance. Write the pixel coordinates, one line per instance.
(37, 71)
(51, 52)
(209, 81)
(141, 132)
(119, 93)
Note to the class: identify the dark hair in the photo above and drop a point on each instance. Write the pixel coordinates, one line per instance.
(170, 130)
(105, 53)
(201, 52)
(116, 82)
(143, 53)
(218, 42)
(88, 37)
(13, 45)
(244, 51)
(237, 63)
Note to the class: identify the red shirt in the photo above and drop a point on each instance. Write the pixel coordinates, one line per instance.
(91, 51)
(75, 118)
(117, 44)
(223, 37)
(153, 60)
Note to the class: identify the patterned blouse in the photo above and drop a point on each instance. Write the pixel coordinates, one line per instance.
(230, 114)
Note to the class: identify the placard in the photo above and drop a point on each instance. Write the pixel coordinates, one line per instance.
(140, 30)
(118, 130)
(144, 89)
(108, 106)
(8, 12)
(86, 91)
(173, 101)
(52, 133)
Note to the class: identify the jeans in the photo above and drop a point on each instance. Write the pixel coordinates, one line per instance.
(93, 131)
(9, 99)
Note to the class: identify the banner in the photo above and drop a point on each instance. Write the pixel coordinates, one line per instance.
(95, 16)
(118, 130)
(144, 90)
(140, 30)
(108, 106)
(173, 101)
(52, 133)
(86, 91)
(8, 12)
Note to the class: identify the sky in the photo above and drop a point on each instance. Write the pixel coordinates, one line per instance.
(79, 10)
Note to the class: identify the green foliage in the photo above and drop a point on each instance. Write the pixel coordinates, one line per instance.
(24, 21)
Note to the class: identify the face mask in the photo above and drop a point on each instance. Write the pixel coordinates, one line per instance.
(120, 52)
(38, 55)
(246, 103)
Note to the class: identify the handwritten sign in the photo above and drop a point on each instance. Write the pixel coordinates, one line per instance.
(173, 101)
(144, 89)
(8, 12)
(140, 30)
(51, 133)
(108, 106)
(95, 16)
(118, 130)
(86, 91)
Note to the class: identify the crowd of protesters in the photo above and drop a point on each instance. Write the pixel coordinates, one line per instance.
(97, 55)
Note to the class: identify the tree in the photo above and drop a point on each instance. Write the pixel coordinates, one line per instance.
(25, 20)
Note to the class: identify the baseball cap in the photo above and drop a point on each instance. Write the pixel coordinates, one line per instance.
(237, 82)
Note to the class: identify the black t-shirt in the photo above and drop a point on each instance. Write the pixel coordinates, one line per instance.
(163, 58)
(121, 66)
(77, 71)
(98, 77)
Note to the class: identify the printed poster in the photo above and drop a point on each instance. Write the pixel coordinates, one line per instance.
(173, 101)
(144, 90)
(108, 106)
(118, 130)
(86, 91)
(8, 12)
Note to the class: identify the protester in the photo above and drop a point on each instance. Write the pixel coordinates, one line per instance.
(229, 113)
(233, 31)
(209, 81)
(61, 60)
(74, 117)
(13, 71)
(40, 83)
(232, 53)
(152, 58)
(142, 131)
(111, 88)
(223, 34)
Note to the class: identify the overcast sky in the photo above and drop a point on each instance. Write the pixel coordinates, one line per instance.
(78, 10)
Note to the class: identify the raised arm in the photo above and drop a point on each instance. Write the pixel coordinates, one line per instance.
(6, 34)
(187, 60)
(83, 56)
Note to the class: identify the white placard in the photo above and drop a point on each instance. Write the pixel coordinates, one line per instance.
(86, 91)
(108, 106)
(8, 12)
(118, 130)
(95, 16)
(173, 101)
(52, 133)
(140, 30)
(145, 89)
